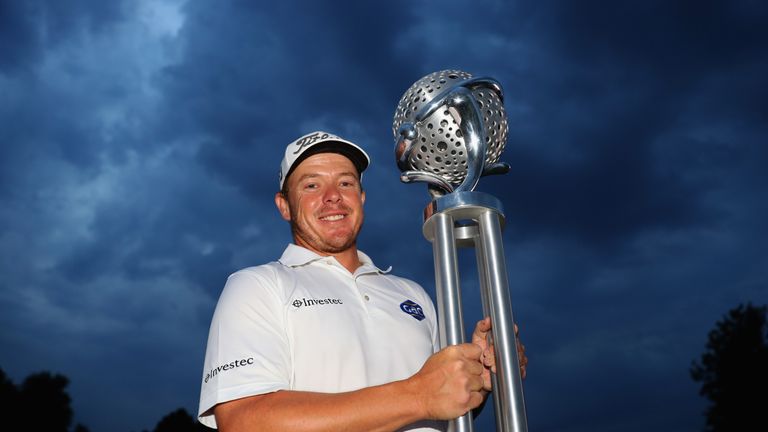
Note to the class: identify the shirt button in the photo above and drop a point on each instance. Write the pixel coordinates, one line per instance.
(366, 297)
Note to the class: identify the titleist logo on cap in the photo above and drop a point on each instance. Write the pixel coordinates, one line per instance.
(309, 139)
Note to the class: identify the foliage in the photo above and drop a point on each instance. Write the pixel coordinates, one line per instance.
(9, 402)
(733, 371)
(40, 403)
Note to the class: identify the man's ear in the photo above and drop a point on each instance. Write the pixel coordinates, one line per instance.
(282, 206)
(362, 197)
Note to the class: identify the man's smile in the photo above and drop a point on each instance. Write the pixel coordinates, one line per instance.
(332, 218)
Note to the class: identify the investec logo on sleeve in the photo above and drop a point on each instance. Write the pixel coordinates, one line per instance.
(306, 302)
(228, 366)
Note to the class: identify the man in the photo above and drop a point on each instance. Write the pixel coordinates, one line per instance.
(323, 340)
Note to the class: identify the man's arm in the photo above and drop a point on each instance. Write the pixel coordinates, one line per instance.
(448, 385)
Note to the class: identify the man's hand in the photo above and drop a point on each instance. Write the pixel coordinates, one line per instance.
(451, 382)
(480, 338)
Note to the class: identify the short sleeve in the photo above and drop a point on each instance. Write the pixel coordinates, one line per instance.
(248, 352)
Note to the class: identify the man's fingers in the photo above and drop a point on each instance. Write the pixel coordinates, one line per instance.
(476, 383)
(475, 368)
(475, 399)
(482, 328)
(489, 358)
(470, 351)
(522, 357)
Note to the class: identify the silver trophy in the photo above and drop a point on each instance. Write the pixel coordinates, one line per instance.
(450, 130)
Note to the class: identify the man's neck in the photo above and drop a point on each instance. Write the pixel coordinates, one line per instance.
(348, 259)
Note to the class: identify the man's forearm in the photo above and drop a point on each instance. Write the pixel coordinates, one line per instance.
(448, 385)
(381, 408)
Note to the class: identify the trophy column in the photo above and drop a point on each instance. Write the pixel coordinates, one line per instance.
(450, 130)
(450, 319)
(475, 219)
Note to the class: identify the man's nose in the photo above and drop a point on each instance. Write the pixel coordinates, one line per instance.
(332, 194)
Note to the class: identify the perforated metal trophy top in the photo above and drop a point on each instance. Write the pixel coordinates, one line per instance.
(450, 129)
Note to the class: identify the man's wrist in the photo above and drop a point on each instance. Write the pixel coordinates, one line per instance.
(413, 398)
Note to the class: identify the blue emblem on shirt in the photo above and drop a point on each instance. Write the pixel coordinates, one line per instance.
(413, 309)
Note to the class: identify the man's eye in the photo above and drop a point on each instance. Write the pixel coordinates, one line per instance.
(310, 186)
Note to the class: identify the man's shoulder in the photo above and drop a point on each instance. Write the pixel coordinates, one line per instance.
(266, 269)
(268, 273)
(405, 282)
(255, 283)
(400, 278)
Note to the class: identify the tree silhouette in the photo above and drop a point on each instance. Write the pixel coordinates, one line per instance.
(733, 371)
(9, 403)
(41, 403)
(45, 402)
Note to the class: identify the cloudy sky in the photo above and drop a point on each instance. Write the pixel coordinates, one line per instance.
(140, 144)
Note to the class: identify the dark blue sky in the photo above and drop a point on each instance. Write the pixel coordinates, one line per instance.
(140, 143)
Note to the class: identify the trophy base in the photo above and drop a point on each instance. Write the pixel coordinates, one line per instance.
(464, 208)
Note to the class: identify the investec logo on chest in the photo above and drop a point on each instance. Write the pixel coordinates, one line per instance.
(313, 302)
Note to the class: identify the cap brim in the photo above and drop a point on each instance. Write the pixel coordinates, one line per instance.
(351, 152)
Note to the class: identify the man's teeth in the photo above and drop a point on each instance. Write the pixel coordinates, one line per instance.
(332, 218)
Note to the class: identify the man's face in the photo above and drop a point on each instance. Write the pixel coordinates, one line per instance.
(324, 203)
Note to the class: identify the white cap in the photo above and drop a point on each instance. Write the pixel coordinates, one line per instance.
(321, 142)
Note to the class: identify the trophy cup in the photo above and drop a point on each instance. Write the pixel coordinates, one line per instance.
(450, 130)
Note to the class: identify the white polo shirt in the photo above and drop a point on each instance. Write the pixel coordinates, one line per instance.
(306, 323)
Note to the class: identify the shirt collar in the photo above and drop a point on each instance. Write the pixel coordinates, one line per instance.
(296, 256)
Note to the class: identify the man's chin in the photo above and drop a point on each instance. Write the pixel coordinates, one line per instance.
(334, 242)
(338, 246)
(327, 247)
